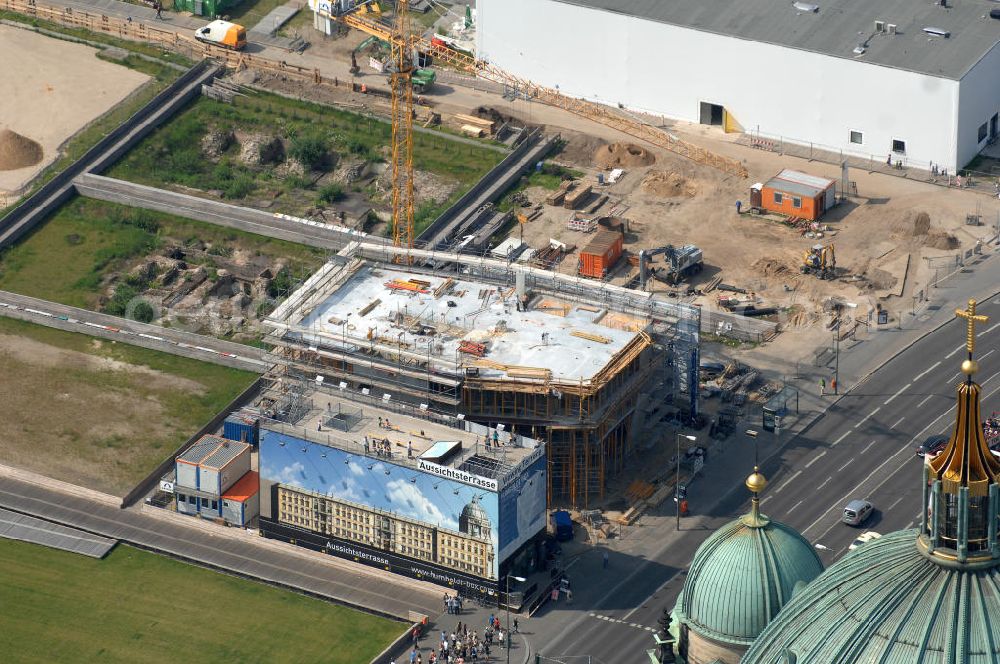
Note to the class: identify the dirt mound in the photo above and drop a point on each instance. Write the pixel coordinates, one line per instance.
(669, 184)
(257, 149)
(912, 225)
(622, 155)
(771, 267)
(17, 151)
(215, 142)
(939, 239)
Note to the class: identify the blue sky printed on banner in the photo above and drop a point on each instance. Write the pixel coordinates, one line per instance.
(371, 481)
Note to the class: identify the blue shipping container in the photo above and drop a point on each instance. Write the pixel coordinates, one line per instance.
(242, 429)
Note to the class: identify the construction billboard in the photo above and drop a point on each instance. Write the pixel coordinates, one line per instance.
(522, 506)
(385, 513)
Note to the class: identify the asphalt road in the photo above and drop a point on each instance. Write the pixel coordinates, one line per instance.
(249, 556)
(862, 447)
(169, 340)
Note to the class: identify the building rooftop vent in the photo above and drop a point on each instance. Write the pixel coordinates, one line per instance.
(806, 7)
(937, 32)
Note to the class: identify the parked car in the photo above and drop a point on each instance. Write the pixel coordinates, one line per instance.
(932, 445)
(857, 512)
(864, 538)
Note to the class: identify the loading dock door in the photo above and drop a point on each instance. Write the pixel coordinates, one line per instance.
(710, 114)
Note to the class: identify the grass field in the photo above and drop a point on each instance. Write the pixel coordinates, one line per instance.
(88, 239)
(173, 153)
(135, 606)
(97, 413)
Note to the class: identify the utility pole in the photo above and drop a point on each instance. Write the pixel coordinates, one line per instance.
(836, 361)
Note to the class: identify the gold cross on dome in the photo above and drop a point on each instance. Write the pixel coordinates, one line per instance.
(969, 314)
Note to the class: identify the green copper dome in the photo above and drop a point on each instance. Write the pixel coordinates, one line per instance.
(742, 575)
(888, 602)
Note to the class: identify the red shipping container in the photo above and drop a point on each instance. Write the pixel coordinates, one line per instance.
(599, 257)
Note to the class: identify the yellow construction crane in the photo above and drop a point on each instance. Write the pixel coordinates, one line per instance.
(527, 89)
(401, 78)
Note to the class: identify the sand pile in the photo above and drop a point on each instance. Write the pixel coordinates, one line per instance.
(912, 225)
(940, 239)
(17, 151)
(668, 184)
(622, 155)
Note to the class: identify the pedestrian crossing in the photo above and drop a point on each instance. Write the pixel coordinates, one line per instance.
(621, 622)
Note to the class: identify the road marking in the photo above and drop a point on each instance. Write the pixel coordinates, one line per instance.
(989, 329)
(909, 525)
(824, 483)
(924, 400)
(930, 368)
(861, 421)
(868, 447)
(896, 502)
(845, 465)
(901, 390)
(872, 474)
(843, 436)
(766, 498)
(816, 458)
(796, 505)
(985, 355)
(953, 352)
(897, 422)
(786, 482)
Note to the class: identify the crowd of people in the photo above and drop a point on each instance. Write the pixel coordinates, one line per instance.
(380, 447)
(464, 644)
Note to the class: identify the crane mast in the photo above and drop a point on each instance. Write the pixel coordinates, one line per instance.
(401, 79)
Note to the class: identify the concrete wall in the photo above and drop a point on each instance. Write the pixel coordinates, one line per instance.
(979, 100)
(667, 70)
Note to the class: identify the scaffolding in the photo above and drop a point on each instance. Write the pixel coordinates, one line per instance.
(586, 424)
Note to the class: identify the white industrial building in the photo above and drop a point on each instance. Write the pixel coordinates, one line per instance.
(866, 77)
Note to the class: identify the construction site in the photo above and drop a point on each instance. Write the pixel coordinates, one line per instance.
(567, 293)
(561, 360)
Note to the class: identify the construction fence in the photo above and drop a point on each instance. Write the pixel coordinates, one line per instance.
(885, 163)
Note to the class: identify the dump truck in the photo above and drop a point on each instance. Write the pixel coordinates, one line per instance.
(820, 261)
(223, 33)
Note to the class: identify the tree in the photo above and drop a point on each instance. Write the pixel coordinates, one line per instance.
(143, 312)
(310, 151)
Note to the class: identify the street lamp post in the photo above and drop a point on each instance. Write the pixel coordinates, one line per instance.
(677, 475)
(753, 436)
(519, 579)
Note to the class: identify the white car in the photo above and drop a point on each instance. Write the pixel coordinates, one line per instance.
(864, 538)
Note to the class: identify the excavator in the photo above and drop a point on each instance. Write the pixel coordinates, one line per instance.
(680, 262)
(821, 261)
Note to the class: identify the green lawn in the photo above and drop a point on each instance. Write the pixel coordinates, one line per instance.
(173, 155)
(112, 411)
(87, 239)
(135, 606)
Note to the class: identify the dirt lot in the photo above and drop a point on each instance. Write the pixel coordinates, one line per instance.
(68, 81)
(111, 412)
(888, 237)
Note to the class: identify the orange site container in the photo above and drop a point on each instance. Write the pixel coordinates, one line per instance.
(600, 255)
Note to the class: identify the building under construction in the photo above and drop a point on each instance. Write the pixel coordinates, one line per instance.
(557, 358)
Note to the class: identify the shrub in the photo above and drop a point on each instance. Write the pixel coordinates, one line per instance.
(310, 151)
(330, 193)
(143, 312)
